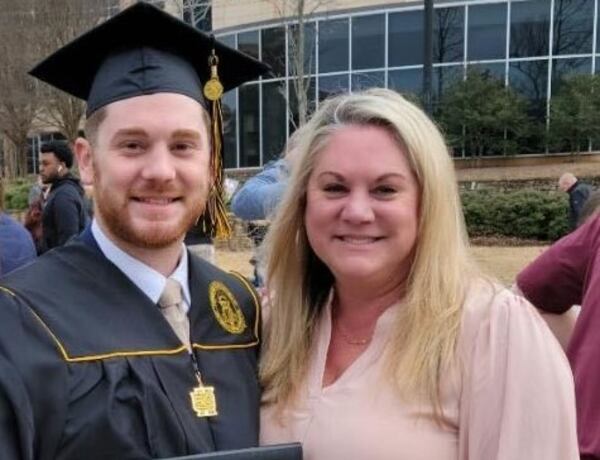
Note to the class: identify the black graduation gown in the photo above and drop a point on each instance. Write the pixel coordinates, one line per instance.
(90, 369)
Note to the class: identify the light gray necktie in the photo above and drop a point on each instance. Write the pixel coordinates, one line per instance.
(171, 308)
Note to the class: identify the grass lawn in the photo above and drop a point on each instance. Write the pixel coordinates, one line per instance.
(501, 262)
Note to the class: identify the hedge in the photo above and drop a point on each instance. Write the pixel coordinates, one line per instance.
(16, 194)
(527, 214)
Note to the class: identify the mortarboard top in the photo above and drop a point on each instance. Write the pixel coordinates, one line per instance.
(143, 50)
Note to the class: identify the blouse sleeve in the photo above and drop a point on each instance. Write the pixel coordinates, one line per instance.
(518, 397)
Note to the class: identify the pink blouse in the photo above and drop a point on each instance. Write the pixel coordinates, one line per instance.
(510, 397)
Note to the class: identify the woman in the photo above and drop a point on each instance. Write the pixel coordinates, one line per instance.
(383, 341)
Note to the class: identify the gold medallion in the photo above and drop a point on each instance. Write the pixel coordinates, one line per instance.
(213, 89)
(226, 309)
(204, 402)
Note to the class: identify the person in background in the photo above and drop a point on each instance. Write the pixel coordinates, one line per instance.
(578, 194)
(564, 275)
(590, 208)
(122, 344)
(38, 190)
(257, 199)
(382, 340)
(33, 217)
(16, 245)
(64, 214)
(259, 196)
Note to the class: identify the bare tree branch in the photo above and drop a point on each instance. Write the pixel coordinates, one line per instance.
(299, 11)
(17, 89)
(58, 22)
(194, 12)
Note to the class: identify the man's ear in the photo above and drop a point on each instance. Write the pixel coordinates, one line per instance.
(85, 160)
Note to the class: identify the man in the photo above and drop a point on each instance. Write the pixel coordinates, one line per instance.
(113, 346)
(64, 214)
(567, 274)
(16, 245)
(578, 194)
(260, 195)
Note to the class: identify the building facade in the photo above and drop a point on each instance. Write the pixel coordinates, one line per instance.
(531, 45)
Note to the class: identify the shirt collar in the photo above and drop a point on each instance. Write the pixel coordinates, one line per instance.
(148, 280)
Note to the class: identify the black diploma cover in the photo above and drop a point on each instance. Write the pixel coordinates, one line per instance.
(291, 451)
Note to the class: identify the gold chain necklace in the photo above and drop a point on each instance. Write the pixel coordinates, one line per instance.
(352, 340)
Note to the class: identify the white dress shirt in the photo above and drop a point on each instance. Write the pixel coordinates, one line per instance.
(151, 282)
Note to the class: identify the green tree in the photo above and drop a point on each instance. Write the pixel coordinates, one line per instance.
(575, 113)
(483, 116)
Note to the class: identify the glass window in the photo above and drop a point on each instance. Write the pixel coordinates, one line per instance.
(228, 40)
(448, 34)
(405, 42)
(293, 101)
(573, 26)
(228, 104)
(493, 70)
(368, 41)
(406, 81)
(309, 49)
(442, 78)
(598, 30)
(32, 155)
(248, 43)
(366, 80)
(529, 28)
(564, 68)
(530, 78)
(273, 49)
(249, 126)
(274, 118)
(332, 84)
(487, 32)
(333, 46)
(405, 27)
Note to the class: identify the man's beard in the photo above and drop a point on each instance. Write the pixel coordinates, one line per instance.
(114, 213)
(49, 179)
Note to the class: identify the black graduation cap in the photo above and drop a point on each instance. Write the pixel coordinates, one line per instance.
(144, 50)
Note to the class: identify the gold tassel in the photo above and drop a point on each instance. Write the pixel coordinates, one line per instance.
(217, 212)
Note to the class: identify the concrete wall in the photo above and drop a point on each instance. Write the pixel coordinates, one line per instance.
(174, 7)
(235, 13)
(507, 173)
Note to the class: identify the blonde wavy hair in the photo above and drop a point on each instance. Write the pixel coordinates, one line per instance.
(426, 331)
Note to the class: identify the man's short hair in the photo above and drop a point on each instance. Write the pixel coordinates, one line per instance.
(92, 125)
(61, 150)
